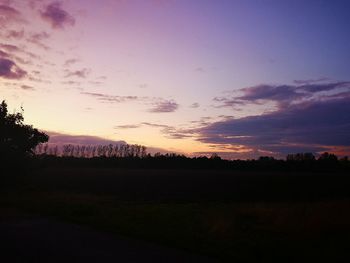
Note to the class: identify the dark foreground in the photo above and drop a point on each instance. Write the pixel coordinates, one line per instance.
(226, 215)
(38, 240)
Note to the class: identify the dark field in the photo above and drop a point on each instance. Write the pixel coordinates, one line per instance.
(226, 215)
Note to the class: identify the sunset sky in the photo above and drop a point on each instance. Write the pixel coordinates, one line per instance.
(239, 78)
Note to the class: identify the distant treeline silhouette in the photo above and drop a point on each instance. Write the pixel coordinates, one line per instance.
(91, 151)
(136, 156)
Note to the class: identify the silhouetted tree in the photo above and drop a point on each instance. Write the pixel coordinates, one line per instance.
(266, 159)
(215, 156)
(328, 157)
(16, 138)
(301, 157)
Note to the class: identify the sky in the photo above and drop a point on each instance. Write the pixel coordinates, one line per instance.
(239, 78)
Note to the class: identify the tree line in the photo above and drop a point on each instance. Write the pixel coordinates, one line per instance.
(128, 156)
(91, 151)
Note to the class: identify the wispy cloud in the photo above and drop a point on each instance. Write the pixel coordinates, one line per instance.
(155, 125)
(82, 73)
(14, 34)
(10, 48)
(148, 124)
(110, 98)
(56, 16)
(19, 53)
(194, 105)
(164, 106)
(38, 39)
(26, 87)
(71, 82)
(6, 9)
(143, 86)
(200, 70)
(4, 54)
(159, 105)
(70, 62)
(9, 14)
(130, 126)
(310, 81)
(171, 132)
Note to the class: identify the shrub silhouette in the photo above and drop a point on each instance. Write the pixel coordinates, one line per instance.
(17, 140)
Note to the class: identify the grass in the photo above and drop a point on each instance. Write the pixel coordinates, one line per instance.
(227, 229)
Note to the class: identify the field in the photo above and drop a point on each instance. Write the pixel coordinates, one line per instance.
(226, 215)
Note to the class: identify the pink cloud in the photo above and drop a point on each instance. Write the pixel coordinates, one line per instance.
(56, 16)
(164, 106)
(9, 69)
(8, 14)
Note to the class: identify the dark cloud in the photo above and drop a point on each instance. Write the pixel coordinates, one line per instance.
(26, 87)
(283, 95)
(164, 106)
(56, 16)
(57, 138)
(9, 70)
(273, 93)
(83, 73)
(307, 126)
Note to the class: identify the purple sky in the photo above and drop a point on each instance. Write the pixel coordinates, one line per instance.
(241, 78)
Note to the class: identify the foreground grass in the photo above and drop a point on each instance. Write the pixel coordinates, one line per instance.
(229, 230)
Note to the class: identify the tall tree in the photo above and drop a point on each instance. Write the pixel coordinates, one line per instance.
(16, 138)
